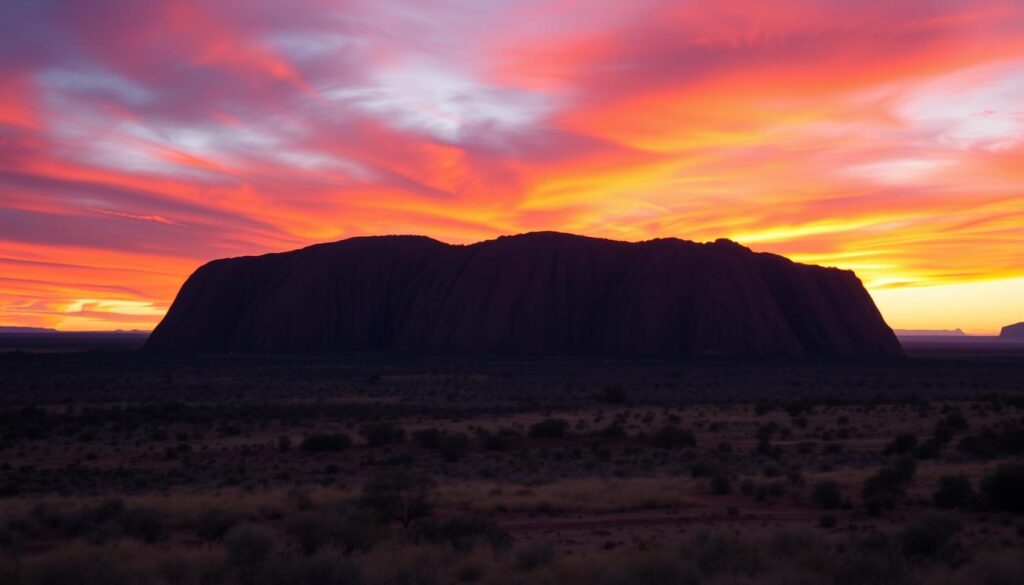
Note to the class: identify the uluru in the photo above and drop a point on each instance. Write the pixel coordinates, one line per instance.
(541, 293)
(1014, 332)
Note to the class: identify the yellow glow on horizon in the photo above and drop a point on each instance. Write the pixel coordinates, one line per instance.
(979, 308)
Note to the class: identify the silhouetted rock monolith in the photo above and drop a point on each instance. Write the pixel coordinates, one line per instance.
(541, 293)
(1015, 331)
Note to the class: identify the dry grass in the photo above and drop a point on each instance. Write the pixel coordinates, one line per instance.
(570, 496)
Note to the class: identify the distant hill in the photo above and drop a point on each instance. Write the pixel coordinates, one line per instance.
(6, 329)
(43, 339)
(1015, 331)
(541, 293)
(930, 333)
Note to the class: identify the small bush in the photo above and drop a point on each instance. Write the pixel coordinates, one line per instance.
(874, 560)
(1003, 489)
(886, 487)
(399, 497)
(903, 443)
(534, 555)
(428, 438)
(930, 449)
(827, 495)
(500, 440)
(955, 491)
(828, 521)
(551, 428)
(928, 537)
(453, 446)
(248, 545)
(382, 433)
(80, 567)
(214, 523)
(718, 555)
(357, 532)
(721, 485)
(613, 431)
(463, 533)
(312, 531)
(316, 570)
(144, 524)
(671, 437)
(325, 443)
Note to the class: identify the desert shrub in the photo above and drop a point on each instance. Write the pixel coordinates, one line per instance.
(357, 532)
(534, 555)
(954, 491)
(769, 489)
(464, 533)
(721, 485)
(1003, 489)
(827, 521)
(614, 430)
(499, 440)
(213, 523)
(314, 570)
(929, 536)
(943, 433)
(651, 569)
(428, 438)
(550, 428)
(832, 448)
(381, 433)
(284, 443)
(671, 437)
(80, 567)
(717, 555)
(325, 442)
(453, 446)
(99, 523)
(10, 571)
(930, 449)
(903, 443)
(993, 443)
(874, 559)
(887, 486)
(705, 468)
(827, 495)
(399, 497)
(806, 447)
(248, 545)
(311, 530)
(955, 421)
(145, 524)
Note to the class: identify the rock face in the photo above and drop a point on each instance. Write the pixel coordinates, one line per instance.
(1015, 331)
(537, 293)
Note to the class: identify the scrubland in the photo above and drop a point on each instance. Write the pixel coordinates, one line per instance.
(121, 467)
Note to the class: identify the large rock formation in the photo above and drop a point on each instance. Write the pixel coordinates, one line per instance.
(1015, 331)
(538, 293)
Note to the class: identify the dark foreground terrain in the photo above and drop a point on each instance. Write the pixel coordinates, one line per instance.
(122, 467)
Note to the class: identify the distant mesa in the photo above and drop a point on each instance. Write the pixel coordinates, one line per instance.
(930, 333)
(6, 330)
(542, 293)
(1014, 332)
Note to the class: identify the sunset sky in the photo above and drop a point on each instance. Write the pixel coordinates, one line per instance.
(139, 139)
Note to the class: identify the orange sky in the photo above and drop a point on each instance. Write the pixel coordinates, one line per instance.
(138, 141)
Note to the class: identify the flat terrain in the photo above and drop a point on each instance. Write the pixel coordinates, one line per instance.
(380, 469)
